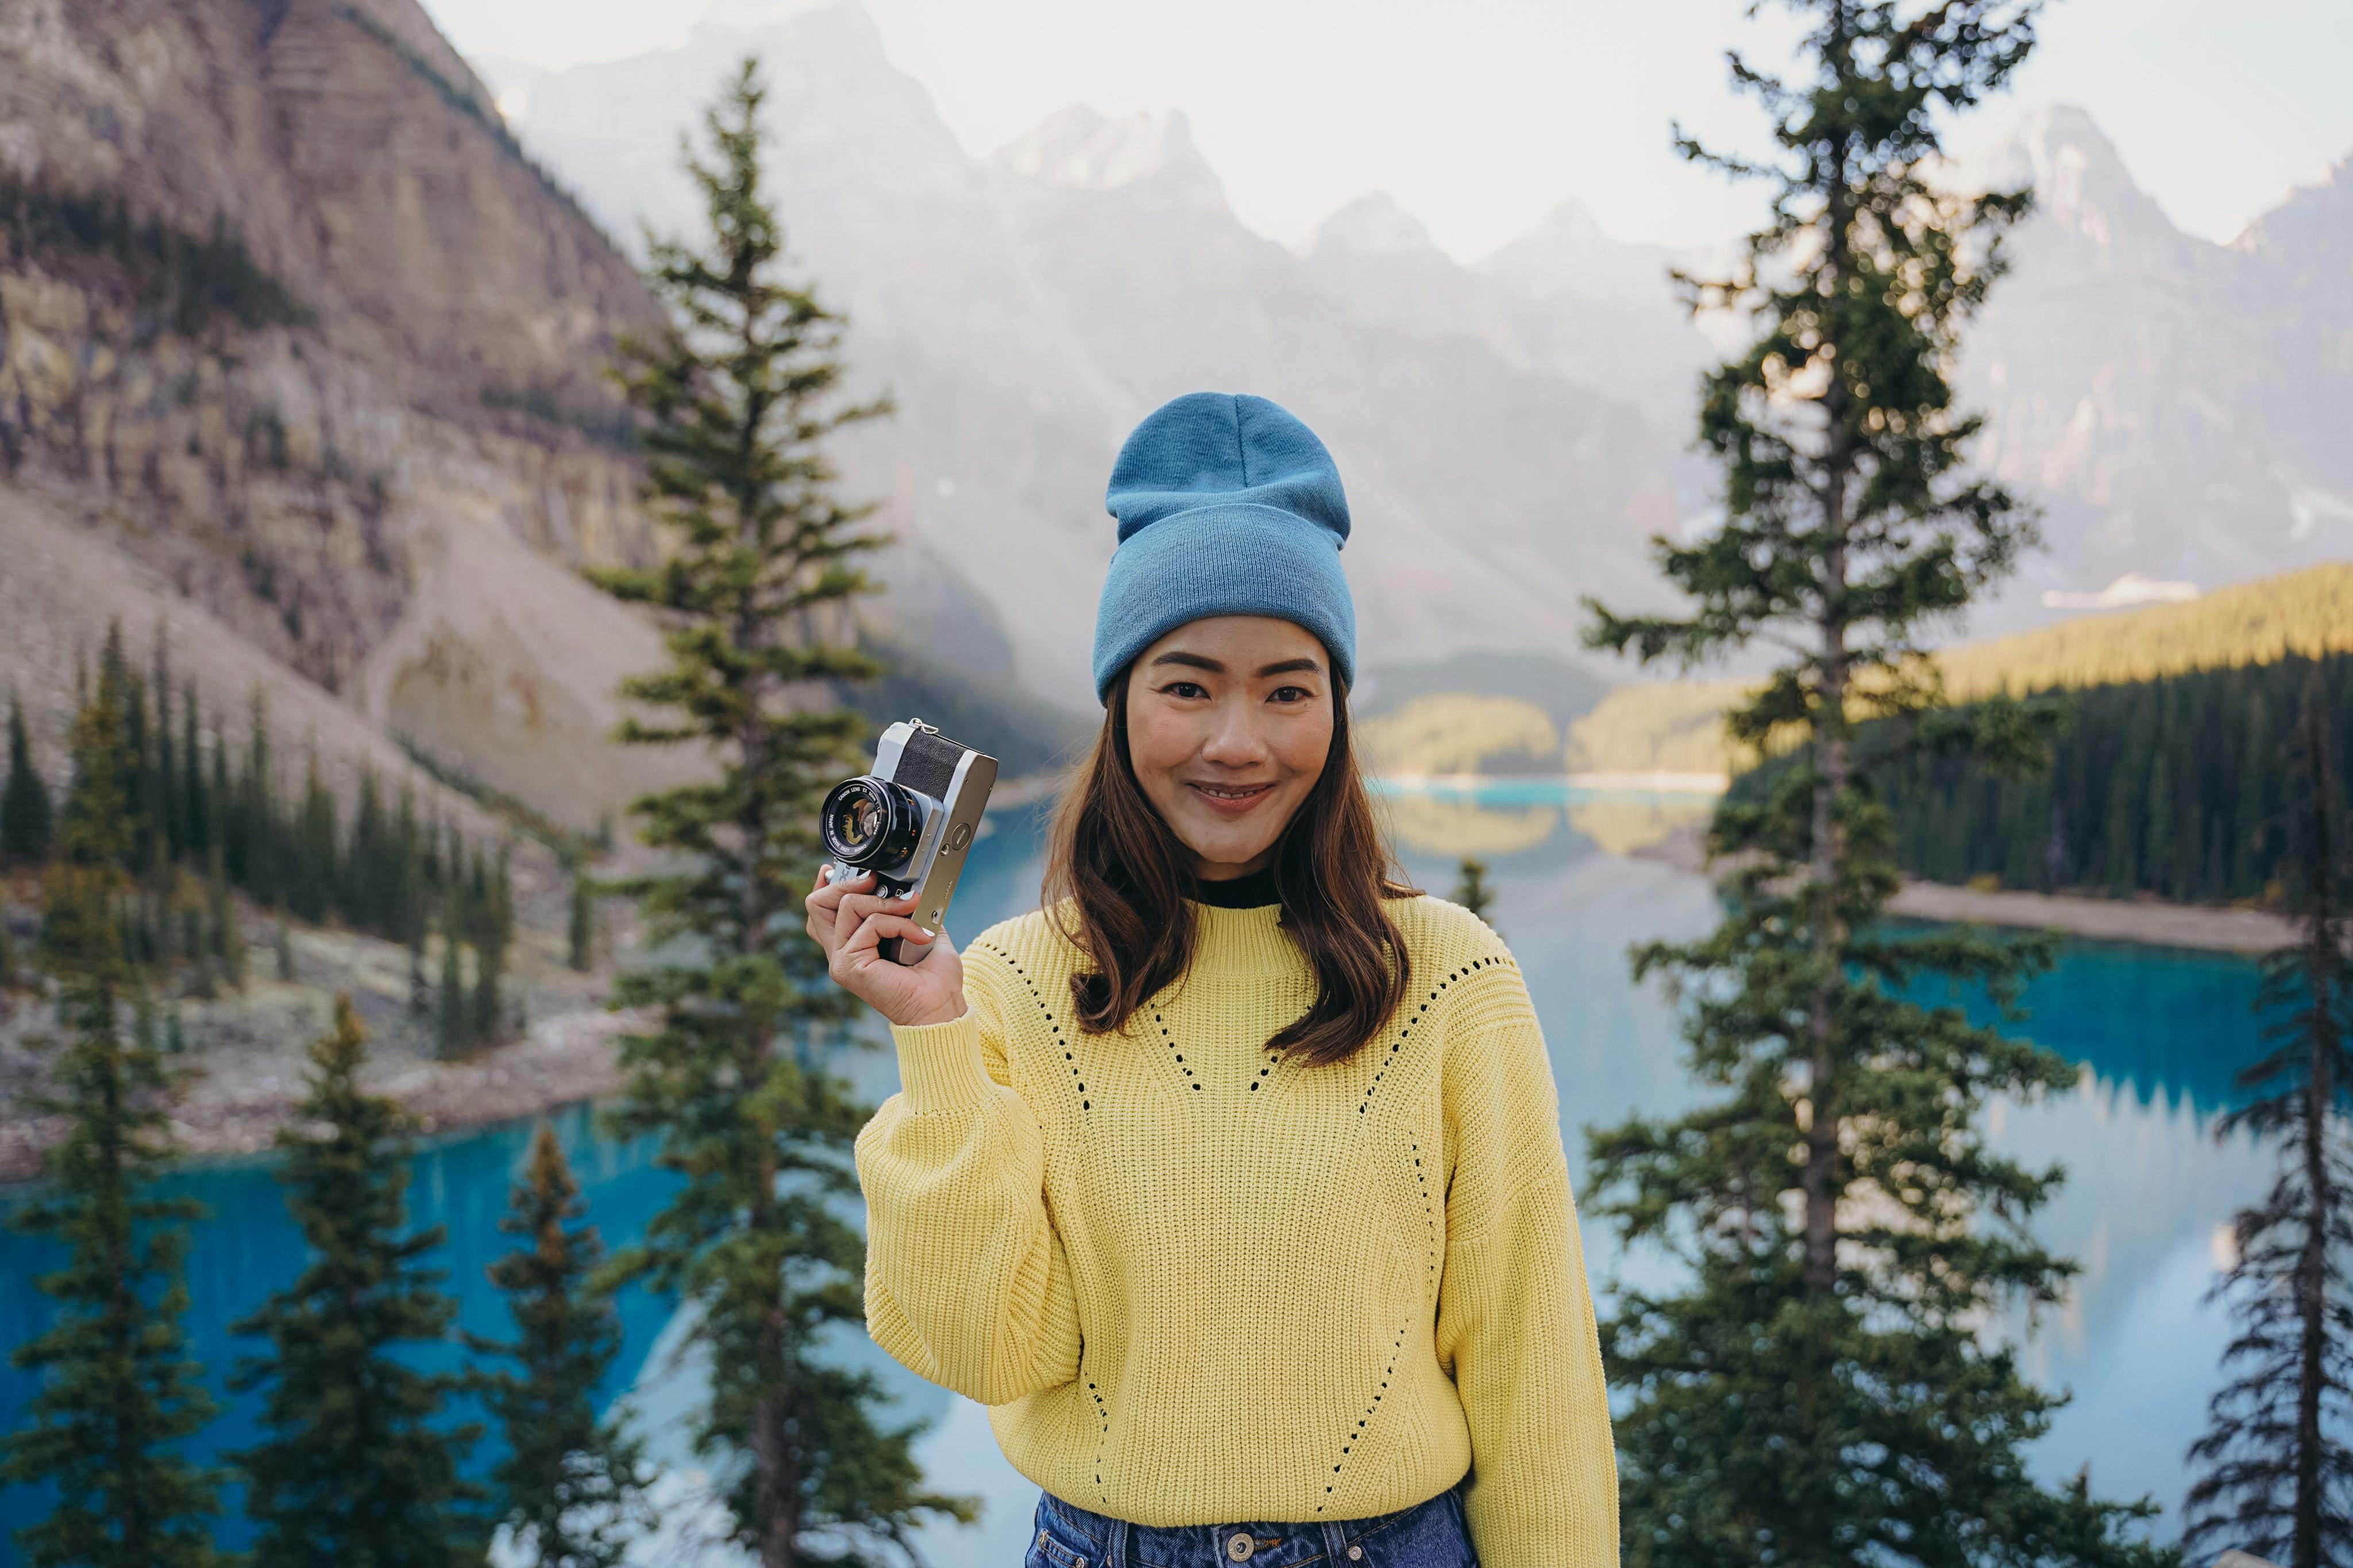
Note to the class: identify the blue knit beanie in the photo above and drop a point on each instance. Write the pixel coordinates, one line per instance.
(1227, 506)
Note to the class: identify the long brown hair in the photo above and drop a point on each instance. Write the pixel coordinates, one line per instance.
(1120, 876)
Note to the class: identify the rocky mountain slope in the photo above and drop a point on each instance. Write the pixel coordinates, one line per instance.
(291, 328)
(2178, 407)
(297, 334)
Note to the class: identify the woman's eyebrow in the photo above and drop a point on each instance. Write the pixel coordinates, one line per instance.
(1192, 660)
(1290, 666)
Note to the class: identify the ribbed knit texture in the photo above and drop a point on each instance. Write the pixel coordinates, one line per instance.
(1227, 506)
(1198, 1284)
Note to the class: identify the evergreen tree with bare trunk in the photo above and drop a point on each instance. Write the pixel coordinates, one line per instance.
(357, 1466)
(735, 405)
(2276, 1469)
(572, 1485)
(1819, 1389)
(119, 1394)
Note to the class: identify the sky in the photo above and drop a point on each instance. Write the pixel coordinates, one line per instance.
(1481, 116)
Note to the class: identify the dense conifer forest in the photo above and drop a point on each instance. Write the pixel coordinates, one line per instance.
(208, 813)
(2176, 788)
(1676, 725)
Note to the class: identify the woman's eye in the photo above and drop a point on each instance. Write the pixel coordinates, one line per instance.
(1185, 689)
(1289, 694)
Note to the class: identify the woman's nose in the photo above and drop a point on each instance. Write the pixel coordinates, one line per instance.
(1234, 739)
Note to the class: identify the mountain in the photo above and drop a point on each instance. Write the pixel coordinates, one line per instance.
(306, 335)
(1564, 300)
(2164, 398)
(1028, 307)
(1512, 432)
(291, 326)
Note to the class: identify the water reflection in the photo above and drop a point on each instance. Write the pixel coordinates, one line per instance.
(2158, 1034)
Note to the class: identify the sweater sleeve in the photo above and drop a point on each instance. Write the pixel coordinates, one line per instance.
(966, 1282)
(1516, 1327)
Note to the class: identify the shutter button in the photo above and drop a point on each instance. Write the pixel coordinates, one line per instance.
(1239, 1546)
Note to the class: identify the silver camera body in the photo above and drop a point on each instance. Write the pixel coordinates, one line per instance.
(910, 822)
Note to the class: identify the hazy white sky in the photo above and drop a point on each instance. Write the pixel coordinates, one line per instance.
(1479, 116)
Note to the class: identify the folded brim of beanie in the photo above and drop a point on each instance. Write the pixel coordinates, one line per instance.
(1223, 559)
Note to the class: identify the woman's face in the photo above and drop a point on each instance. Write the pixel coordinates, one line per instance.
(1229, 722)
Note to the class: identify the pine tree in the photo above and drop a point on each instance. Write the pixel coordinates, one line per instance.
(493, 907)
(196, 808)
(1470, 888)
(2275, 1456)
(257, 851)
(220, 802)
(736, 405)
(171, 831)
(354, 1471)
(24, 809)
(120, 1390)
(420, 993)
(571, 1484)
(224, 943)
(312, 890)
(580, 929)
(1819, 1391)
(139, 760)
(486, 1019)
(453, 1020)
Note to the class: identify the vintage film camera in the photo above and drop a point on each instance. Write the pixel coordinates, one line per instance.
(911, 821)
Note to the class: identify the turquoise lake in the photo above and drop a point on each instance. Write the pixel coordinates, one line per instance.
(2156, 1034)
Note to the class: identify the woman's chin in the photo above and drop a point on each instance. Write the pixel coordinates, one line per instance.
(1221, 853)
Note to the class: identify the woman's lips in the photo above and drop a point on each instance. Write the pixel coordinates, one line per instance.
(1230, 800)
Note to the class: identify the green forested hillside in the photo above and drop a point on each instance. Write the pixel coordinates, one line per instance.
(2176, 787)
(1669, 725)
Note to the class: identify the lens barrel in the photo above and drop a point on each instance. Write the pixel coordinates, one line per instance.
(869, 821)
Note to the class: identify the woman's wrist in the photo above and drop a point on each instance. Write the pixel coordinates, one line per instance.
(932, 1011)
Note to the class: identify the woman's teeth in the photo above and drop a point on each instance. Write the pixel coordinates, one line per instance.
(1243, 793)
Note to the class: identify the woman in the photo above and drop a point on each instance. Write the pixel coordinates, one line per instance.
(1231, 1181)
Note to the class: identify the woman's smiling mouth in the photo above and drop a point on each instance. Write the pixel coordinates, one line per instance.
(1231, 800)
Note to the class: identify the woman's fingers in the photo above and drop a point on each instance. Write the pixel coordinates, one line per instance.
(831, 889)
(866, 939)
(858, 907)
(836, 906)
(822, 899)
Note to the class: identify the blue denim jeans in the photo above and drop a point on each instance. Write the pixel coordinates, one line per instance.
(1431, 1534)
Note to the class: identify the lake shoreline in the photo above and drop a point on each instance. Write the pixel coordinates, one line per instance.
(235, 1107)
(565, 1058)
(2147, 923)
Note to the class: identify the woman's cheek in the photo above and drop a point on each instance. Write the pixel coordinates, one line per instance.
(1304, 744)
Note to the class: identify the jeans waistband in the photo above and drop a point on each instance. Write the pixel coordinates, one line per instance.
(1272, 1544)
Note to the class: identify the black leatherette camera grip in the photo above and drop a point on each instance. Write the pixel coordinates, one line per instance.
(927, 764)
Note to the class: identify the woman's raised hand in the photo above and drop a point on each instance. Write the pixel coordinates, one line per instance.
(850, 925)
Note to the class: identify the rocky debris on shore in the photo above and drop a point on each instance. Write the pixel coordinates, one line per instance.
(239, 1109)
(244, 1057)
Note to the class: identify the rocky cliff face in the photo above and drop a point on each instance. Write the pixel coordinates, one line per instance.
(289, 319)
(2171, 403)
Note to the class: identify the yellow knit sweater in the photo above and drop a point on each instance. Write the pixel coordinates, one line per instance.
(1198, 1284)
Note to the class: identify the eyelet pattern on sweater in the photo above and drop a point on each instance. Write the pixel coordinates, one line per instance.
(1197, 1284)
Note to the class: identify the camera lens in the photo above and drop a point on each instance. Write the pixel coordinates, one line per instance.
(869, 821)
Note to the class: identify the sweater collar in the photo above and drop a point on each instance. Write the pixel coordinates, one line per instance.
(1253, 892)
